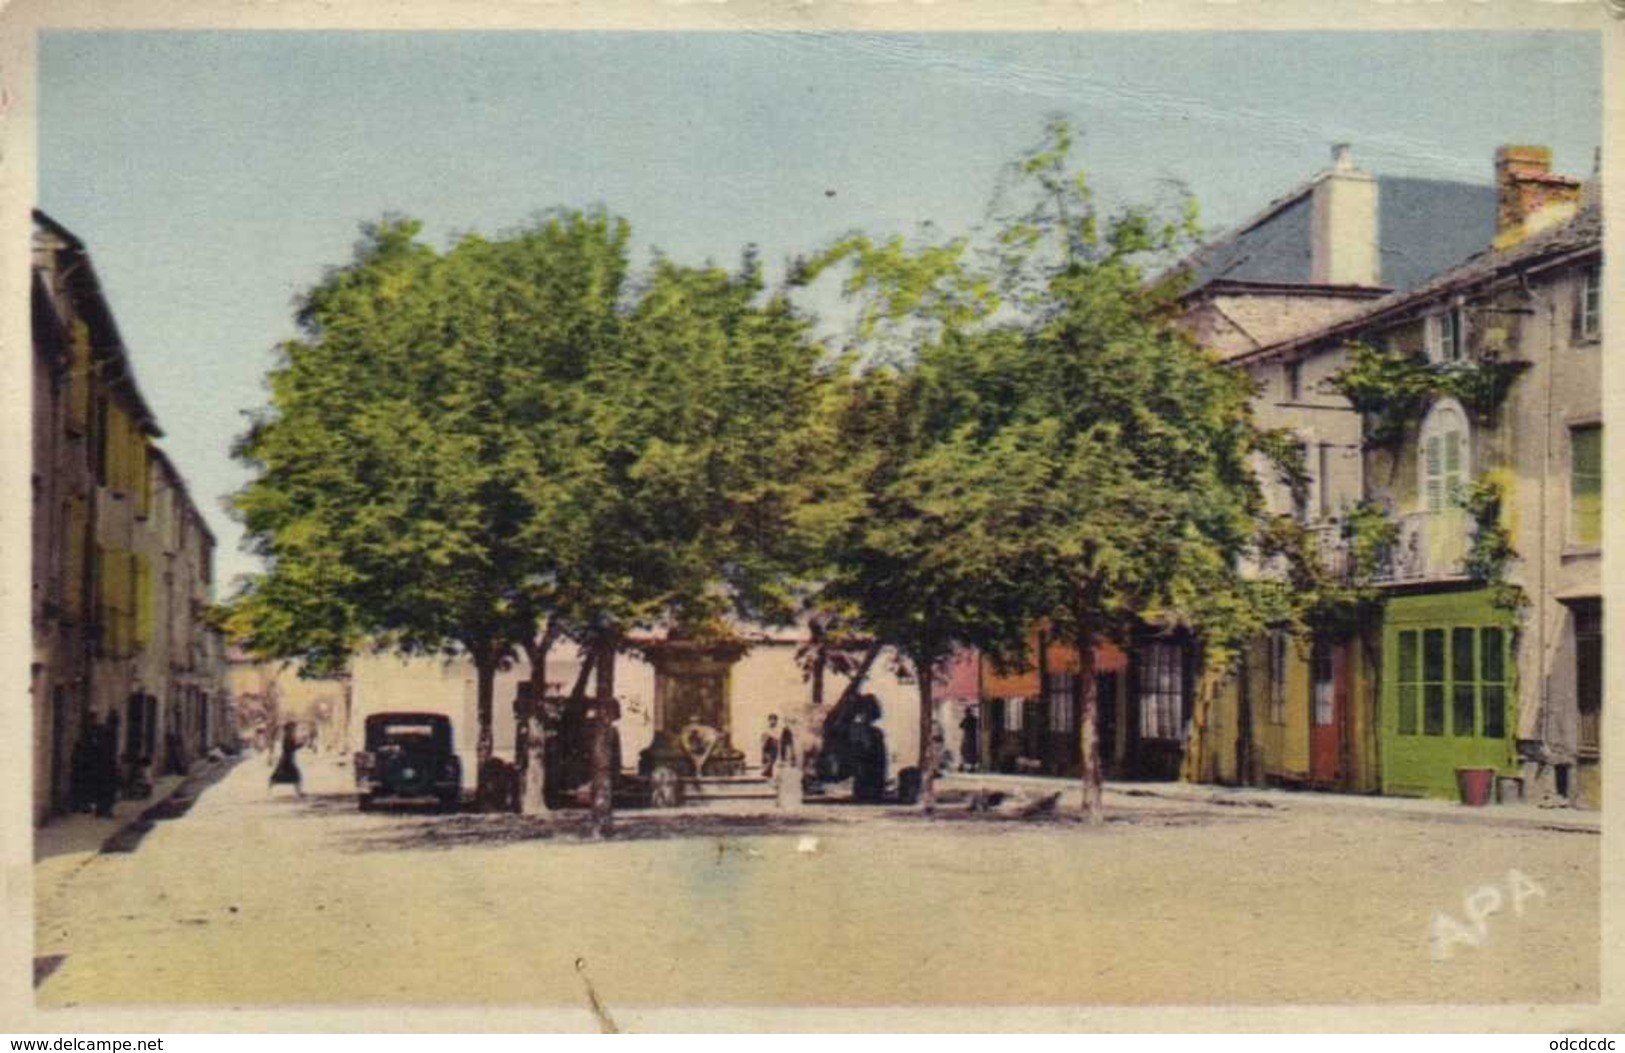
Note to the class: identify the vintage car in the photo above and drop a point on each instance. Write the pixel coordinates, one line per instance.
(409, 758)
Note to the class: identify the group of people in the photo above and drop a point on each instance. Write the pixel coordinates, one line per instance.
(94, 777)
(781, 763)
(858, 749)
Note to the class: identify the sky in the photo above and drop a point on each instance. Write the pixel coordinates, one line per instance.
(215, 175)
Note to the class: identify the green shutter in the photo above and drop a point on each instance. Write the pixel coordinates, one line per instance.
(1585, 484)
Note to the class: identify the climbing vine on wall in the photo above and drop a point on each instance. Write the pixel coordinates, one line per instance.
(1392, 390)
(1491, 553)
(1335, 599)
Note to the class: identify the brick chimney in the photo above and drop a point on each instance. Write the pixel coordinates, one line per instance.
(1343, 239)
(1529, 196)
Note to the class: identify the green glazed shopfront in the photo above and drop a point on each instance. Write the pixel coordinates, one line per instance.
(1449, 691)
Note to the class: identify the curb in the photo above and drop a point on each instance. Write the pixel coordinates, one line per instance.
(172, 805)
(1283, 801)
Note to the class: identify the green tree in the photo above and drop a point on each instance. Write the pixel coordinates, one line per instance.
(411, 435)
(1078, 459)
(705, 434)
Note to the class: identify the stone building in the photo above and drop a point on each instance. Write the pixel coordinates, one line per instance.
(1456, 675)
(1324, 252)
(122, 564)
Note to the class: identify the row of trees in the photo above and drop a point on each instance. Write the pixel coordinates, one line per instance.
(518, 442)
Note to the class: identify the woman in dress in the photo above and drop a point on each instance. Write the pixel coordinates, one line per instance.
(287, 768)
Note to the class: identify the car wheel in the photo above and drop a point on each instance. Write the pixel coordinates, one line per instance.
(451, 802)
(665, 787)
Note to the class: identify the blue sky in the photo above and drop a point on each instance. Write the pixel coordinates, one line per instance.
(213, 175)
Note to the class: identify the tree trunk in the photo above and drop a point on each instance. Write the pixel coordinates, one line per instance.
(928, 738)
(1089, 727)
(855, 685)
(603, 726)
(578, 690)
(485, 670)
(532, 759)
(1244, 719)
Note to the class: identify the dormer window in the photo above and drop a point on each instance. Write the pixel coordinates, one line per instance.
(1445, 340)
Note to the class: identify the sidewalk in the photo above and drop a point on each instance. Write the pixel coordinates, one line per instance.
(67, 842)
(1518, 815)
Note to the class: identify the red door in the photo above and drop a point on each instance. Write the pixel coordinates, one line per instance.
(1328, 693)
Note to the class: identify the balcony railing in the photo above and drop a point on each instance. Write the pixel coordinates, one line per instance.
(1332, 548)
(1431, 546)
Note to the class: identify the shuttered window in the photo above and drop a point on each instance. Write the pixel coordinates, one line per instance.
(73, 559)
(1588, 313)
(143, 475)
(1443, 457)
(1585, 485)
(78, 415)
(1444, 336)
(141, 571)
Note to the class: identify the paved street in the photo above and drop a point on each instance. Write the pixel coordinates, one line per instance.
(248, 901)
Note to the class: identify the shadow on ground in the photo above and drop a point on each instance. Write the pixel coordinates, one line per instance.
(471, 830)
(174, 806)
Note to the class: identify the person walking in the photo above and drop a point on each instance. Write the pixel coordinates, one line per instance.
(770, 745)
(970, 741)
(287, 768)
(105, 780)
(787, 792)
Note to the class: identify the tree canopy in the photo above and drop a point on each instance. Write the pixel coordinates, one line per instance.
(1056, 448)
(467, 445)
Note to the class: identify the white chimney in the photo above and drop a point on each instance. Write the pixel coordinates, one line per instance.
(1343, 235)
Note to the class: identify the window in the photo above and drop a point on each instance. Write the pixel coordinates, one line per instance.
(1585, 486)
(1588, 676)
(1588, 323)
(1294, 381)
(1012, 714)
(1279, 643)
(1062, 703)
(1453, 681)
(1323, 479)
(1320, 666)
(1444, 335)
(1162, 690)
(1442, 459)
(1301, 498)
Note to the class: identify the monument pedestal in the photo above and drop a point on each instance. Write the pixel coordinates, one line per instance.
(692, 717)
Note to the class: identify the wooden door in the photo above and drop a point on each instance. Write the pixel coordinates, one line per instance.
(1328, 697)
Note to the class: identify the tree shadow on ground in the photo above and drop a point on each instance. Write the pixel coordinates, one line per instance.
(470, 830)
(327, 805)
(473, 830)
